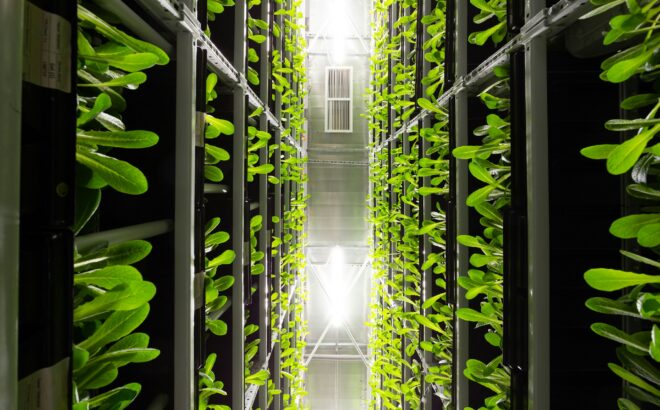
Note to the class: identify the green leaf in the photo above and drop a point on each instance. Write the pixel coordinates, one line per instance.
(639, 101)
(120, 37)
(654, 348)
(80, 357)
(101, 103)
(117, 398)
(109, 277)
(129, 62)
(125, 253)
(641, 395)
(223, 283)
(131, 79)
(602, 9)
(87, 202)
(96, 377)
(119, 139)
(619, 336)
(625, 404)
(611, 307)
(624, 157)
(633, 379)
(598, 151)
(628, 125)
(643, 192)
(648, 305)
(116, 326)
(425, 191)
(120, 175)
(217, 327)
(472, 315)
(259, 378)
(227, 257)
(479, 38)
(429, 106)
(489, 211)
(122, 357)
(211, 225)
(640, 258)
(262, 169)
(628, 67)
(216, 238)
(639, 365)
(126, 296)
(480, 195)
(429, 227)
(257, 38)
(253, 76)
(213, 174)
(609, 280)
(649, 235)
(628, 227)
(430, 301)
(217, 153)
(225, 127)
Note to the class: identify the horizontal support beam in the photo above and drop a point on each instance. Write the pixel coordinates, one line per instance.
(547, 22)
(323, 356)
(128, 233)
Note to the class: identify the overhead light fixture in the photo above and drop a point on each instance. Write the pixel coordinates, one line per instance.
(337, 30)
(336, 286)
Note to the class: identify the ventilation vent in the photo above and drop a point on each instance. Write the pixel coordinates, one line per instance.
(339, 99)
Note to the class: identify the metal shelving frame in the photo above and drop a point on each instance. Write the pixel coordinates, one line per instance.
(11, 46)
(531, 31)
(180, 34)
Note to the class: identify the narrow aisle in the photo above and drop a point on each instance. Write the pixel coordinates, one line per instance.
(338, 268)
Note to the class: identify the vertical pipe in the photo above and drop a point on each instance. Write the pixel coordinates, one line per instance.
(536, 79)
(461, 333)
(184, 372)
(11, 53)
(264, 234)
(238, 216)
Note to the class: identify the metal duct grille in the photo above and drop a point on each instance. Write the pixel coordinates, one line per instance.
(339, 99)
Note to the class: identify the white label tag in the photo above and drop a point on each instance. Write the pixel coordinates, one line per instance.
(45, 389)
(47, 49)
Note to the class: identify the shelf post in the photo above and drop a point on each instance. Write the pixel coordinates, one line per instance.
(11, 50)
(460, 395)
(238, 209)
(184, 223)
(536, 92)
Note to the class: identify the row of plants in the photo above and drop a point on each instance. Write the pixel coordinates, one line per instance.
(386, 339)
(398, 311)
(290, 83)
(111, 297)
(635, 296)
(489, 164)
(288, 79)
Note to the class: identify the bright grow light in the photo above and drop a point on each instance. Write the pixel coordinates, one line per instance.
(336, 286)
(337, 29)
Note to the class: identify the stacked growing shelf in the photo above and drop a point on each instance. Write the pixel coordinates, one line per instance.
(519, 99)
(223, 211)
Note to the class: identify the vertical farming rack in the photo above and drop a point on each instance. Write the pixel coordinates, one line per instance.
(223, 207)
(485, 212)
